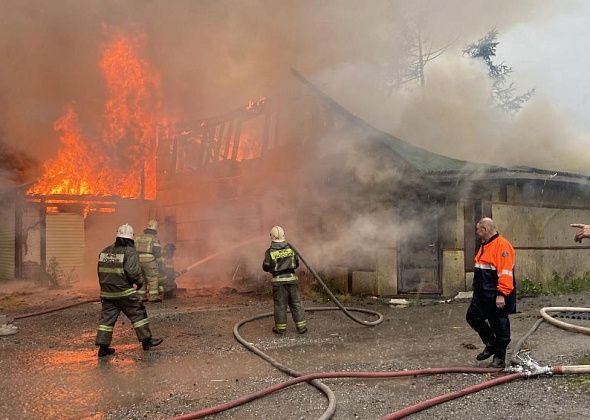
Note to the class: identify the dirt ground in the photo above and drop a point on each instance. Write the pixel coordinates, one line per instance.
(49, 369)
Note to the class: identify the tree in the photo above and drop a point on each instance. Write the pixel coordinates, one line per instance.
(503, 91)
(416, 51)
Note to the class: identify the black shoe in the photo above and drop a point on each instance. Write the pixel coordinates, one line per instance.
(151, 342)
(302, 330)
(105, 351)
(485, 354)
(498, 362)
(274, 330)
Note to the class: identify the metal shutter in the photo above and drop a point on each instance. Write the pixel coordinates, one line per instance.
(7, 242)
(65, 242)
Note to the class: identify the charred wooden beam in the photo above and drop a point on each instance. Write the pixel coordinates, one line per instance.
(236, 142)
(227, 140)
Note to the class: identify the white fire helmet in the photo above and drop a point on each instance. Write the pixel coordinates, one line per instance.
(152, 224)
(125, 231)
(277, 234)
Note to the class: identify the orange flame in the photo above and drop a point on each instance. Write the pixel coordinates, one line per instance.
(249, 147)
(122, 161)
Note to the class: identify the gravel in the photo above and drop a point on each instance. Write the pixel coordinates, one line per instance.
(49, 369)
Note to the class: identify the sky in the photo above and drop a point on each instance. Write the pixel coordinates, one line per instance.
(213, 56)
(216, 55)
(554, 58)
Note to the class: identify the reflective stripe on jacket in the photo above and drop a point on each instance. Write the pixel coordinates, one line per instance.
(494, 266)
(281, 261)
(118, 269)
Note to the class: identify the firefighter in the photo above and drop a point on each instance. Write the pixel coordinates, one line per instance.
(118, 271)
(281, 261)
(150, 259)
(168, 270)
(494, 292)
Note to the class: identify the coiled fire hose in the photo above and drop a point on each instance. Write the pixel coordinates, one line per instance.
(313, 378)
(379, 319)
(521, 357)
(329, 412)
(525, 366)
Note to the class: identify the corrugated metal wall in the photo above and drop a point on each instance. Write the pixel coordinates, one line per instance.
(7, 242)
(65, 241)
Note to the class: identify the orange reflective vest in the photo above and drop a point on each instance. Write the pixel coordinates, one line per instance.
(494, 266)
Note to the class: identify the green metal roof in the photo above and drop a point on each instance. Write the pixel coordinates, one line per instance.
(428, 162)
(439, 166)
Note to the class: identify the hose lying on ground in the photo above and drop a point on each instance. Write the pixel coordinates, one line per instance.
(334, 299)
(59, 308)
(452, 395)
(546, 317)
(329, 412)
(327, 375)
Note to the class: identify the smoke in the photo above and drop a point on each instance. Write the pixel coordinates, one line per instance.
(15, 166)
(216, 55)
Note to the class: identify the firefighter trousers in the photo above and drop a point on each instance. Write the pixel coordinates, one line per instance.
(151, 288)
(491, 324)
(133, 309)
(284, 295)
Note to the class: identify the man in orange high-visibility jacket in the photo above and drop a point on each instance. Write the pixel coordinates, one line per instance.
(494, 292)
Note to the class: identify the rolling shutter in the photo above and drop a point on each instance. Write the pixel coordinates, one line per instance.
(7, 242)
(65, 242)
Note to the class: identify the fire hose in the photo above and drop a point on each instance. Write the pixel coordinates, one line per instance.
(329, 412)
(520, 357)
(59, 308)
(525, 367)
(183, 271)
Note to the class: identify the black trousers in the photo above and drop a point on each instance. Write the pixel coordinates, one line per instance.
(133, 309)
(283, 295)
(492, 324)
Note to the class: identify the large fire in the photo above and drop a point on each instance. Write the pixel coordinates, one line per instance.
(120, 159)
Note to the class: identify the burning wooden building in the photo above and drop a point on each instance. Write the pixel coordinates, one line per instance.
(376, 215)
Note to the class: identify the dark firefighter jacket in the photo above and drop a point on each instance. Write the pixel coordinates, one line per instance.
(494, 270)
(118, 270)
(281, 261)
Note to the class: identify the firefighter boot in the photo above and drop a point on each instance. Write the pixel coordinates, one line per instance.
(498, 362)
(486, 353)
(148, 343)
(105, 351)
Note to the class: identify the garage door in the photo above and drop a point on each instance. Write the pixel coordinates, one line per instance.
(7, 242)
(65, 243)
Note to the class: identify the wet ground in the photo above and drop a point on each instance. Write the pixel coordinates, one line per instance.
(50, 369)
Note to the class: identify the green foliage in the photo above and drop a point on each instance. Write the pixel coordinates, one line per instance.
(556, 286)
(54, 276)
(582, 380)
(503, 91)
(530, 288)
(54, 273)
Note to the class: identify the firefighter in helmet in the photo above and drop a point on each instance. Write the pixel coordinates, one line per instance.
(118, 271)
(168, 270)
(150, 255)
(281, 261)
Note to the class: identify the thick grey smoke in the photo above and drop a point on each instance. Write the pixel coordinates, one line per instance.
(216, 55)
